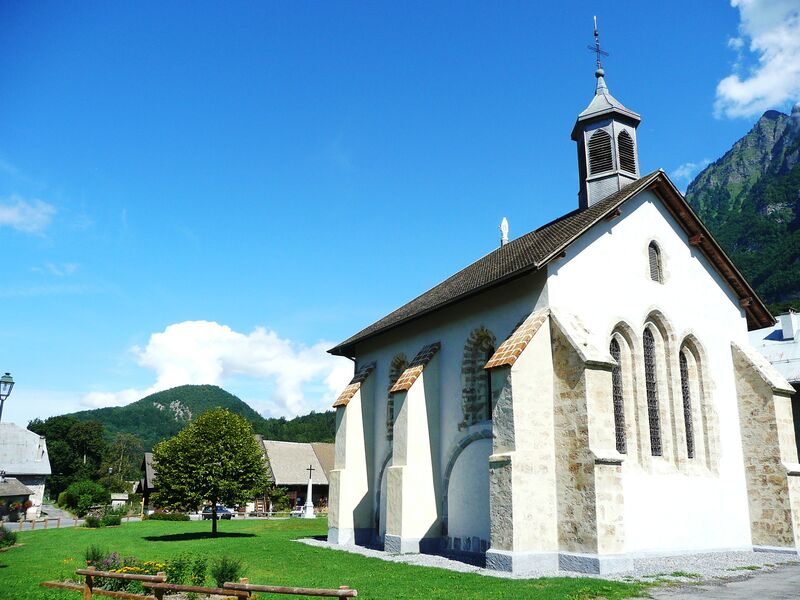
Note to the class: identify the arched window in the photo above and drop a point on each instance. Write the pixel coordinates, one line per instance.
(601, 158)
(627, 157)
(651, 385)
(396, 367)
(616, 392)
(476, 382)
(687, 404)
(654, 254)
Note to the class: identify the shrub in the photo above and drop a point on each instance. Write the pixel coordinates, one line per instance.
(178, 569)
(165, 516)
(94, 555)
(110, 519)
(81, 495)
(7, 537)
(225, 569)
(91, 521)
(199, 567)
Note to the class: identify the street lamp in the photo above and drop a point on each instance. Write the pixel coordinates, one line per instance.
(6, 385)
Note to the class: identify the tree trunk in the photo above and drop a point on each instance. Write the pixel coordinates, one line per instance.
(214, 516)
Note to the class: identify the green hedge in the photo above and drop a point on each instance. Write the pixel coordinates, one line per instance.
(165, 516)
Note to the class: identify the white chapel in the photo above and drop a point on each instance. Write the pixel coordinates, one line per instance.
(582, 396)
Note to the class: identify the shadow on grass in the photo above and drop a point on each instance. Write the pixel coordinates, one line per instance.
(200, 535)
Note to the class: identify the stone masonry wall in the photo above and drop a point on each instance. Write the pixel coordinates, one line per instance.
(767, 482)
(574, 462)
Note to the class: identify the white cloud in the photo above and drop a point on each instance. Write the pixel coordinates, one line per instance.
(773, 30)
(57, 269)
(27, 216)
(205, 352)
(686, 172)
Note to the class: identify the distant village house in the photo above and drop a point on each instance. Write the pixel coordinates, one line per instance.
(23, 457)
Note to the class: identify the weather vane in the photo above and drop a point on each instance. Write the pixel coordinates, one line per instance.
(596, 48)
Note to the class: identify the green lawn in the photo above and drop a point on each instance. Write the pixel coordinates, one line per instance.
(270, 557)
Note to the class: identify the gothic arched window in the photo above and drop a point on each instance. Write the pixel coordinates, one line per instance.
(476, 382)
(627, 156)
(601, 157)
(654, 256)
(687, 404)
(651, 385)
(396, 367)
(618, 399)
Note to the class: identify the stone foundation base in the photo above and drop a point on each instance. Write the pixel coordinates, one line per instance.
(521, 562)
(781, 549)
(394, 544)
(350, 537)
(594, 563)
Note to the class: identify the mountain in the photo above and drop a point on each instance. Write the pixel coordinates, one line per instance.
(750, 200)
(163, 414)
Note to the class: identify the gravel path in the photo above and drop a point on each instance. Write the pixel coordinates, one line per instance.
(688, 569)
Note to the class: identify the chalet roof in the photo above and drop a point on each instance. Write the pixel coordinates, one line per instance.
(289, 462)
(784, 354)
(22, 452)
(12, 487)
(536, 249)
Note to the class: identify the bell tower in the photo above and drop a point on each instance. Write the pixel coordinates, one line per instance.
(608, 157)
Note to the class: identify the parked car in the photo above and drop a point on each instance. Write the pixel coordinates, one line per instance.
(223, 512)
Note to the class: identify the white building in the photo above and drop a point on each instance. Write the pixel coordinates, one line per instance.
(23, 456)
(583, 395)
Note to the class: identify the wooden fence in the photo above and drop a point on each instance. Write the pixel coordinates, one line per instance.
(159, 586)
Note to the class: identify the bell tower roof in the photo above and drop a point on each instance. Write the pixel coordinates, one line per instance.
(603, 105)
(605, 133)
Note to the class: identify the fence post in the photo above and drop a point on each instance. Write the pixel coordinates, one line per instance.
(58, 523)
(157, 593)
(88, 585)
(45, 522)
(33, 524)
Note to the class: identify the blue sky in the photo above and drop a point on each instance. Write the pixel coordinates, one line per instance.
(216, 193)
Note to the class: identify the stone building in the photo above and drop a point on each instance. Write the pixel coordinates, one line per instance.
(583, 395)
(23, 456)
(780, 344)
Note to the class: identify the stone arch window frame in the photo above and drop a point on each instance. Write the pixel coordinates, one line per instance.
(397, 366)
(668, 387)
(630, 355)
(600, 156)
(655, 262)
(476, 382)
(704, 415)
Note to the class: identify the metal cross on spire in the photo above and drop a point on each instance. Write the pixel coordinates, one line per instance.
(596, 48)
(310, 469)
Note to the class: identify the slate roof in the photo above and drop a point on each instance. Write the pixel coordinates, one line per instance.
(535, 249)
(289, 461)
(22, 452)
(12, 487)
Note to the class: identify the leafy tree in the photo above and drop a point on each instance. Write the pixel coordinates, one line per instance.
(215, 458)
(82, 495)
(75, 447)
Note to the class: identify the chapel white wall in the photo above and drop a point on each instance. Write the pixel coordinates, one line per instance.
(604, 280)
(499, 310)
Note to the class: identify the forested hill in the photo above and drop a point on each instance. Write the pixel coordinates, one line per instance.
(163, 414)
(750, 200)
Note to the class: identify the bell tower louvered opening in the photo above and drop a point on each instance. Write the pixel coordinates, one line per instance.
(601, 157)
(627, 155)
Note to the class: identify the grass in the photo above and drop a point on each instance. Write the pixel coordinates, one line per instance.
(745, 568)
(270, 557)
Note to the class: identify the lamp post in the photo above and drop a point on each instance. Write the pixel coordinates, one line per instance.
(6, 385)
